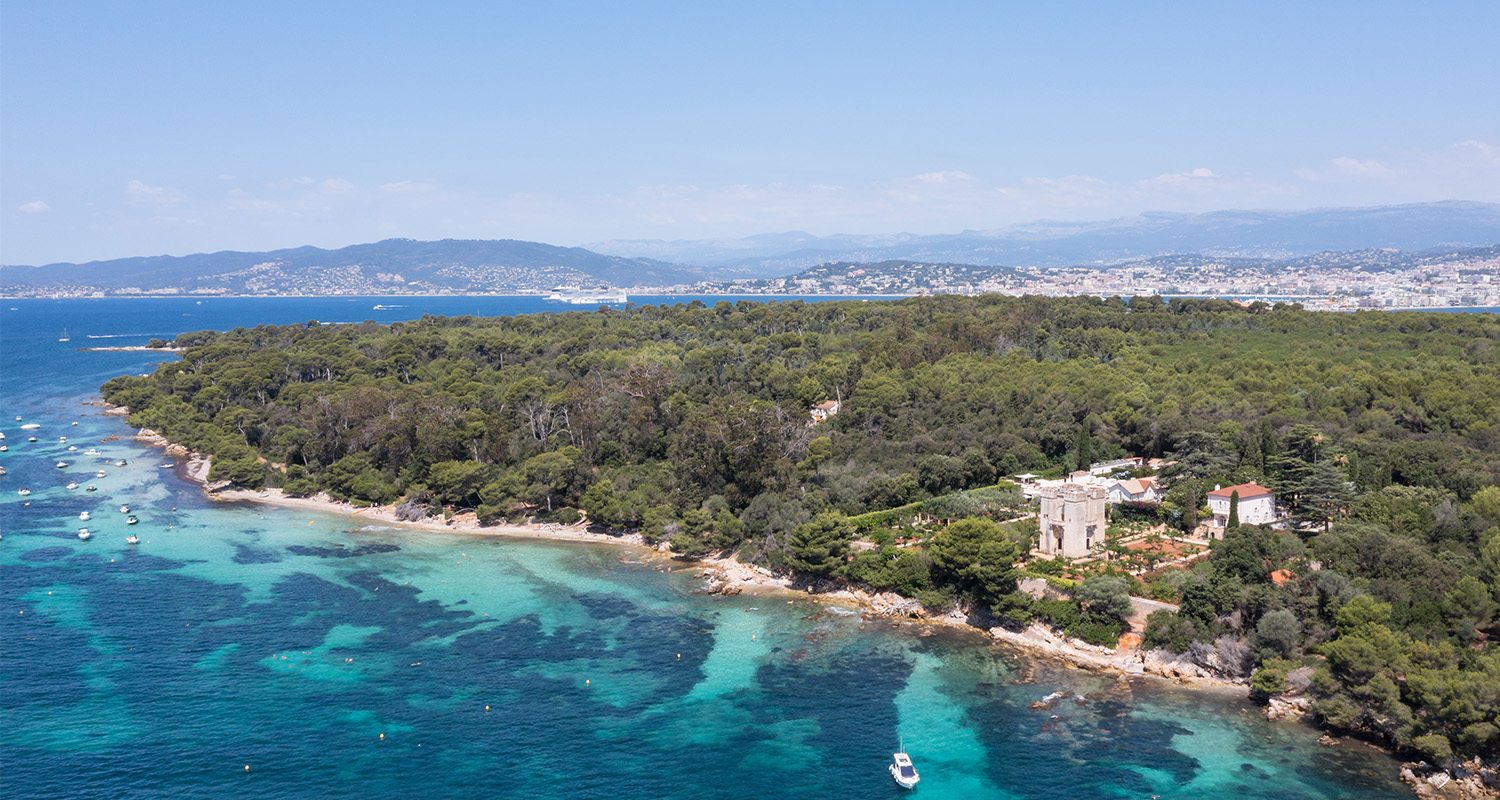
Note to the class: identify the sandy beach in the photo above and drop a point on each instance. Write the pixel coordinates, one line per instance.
(721, 575)
(133, 348)
(465, 523)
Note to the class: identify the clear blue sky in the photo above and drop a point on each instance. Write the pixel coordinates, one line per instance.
(145, 128)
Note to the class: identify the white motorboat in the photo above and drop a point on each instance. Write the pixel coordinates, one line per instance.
(91, 488)
(31, 438)
(131, 520)
(4, 448)
(83, 533)
(72, 447)
(120, 463)
(100, 474)
(132, 539)
(30, 426)
(84, 516)
(62, 465)
(124, 509)
(62, 440)
(24, 491)
(72, 484)
(903, 770)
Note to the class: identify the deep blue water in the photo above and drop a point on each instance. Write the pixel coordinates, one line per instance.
(289, 642)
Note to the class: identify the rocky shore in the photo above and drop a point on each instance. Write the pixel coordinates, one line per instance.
(728, 576)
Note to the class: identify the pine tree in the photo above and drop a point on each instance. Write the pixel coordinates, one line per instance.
(820, 547)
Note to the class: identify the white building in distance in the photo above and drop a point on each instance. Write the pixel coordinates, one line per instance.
(1257, 505)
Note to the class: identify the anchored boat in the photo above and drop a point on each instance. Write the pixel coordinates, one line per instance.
(902, 770)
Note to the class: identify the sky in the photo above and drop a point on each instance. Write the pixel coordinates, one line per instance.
(151, 128)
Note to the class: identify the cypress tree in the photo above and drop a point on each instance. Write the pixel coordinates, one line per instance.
(1234, 510)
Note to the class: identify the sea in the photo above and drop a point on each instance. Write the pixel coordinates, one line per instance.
(249, 651)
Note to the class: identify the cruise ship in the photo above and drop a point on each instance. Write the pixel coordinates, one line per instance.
(586, 297)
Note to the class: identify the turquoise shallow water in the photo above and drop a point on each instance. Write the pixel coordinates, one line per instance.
(289, 642)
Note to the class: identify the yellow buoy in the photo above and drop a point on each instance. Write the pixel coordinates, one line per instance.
(247, 767)
(486, 708)
(585, 681)
(382, 737)
(679, 656)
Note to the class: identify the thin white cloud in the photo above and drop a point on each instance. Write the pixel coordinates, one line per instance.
(408, 186)
(1184, 178)
(140, 192)
(1354, 166)
(945, 176)
(34, 207)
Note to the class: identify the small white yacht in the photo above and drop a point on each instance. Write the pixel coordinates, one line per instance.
(132, 539)
(903, 770)
(31, 438)
(91, 488)
(62, 440)
(72, 447)
(124, 509)
(131, 520)
(120, 463)
(3, 448)
(83, 533)
(72, 484)
(100, 474)
(84, 516)
(24, 491)
(62, 465)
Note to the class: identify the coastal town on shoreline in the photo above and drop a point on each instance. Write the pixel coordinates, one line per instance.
(1335, 281)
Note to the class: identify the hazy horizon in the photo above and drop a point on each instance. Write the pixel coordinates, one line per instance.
(154, 129)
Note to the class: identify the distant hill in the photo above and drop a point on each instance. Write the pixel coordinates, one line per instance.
(1256, 234)
(393, 265)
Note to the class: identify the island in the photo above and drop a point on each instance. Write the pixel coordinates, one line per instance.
(1305, 504)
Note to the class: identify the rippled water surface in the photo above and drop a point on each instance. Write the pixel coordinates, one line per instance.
(334, 658)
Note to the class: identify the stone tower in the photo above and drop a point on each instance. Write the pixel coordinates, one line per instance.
(1072, 519)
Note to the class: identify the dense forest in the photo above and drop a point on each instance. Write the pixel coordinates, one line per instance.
(1380, 433)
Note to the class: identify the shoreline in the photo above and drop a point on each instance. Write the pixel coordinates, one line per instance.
(460, 523)
(727, 575)
(132, 348)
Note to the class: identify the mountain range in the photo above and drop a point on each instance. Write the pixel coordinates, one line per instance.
(392, 264)
(403, 266)
(1261, 234)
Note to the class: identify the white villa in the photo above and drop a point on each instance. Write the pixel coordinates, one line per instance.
(823, 411)
(1257, 505)
(1135, 490)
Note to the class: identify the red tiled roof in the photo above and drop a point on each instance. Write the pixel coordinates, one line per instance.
(1246, 490)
